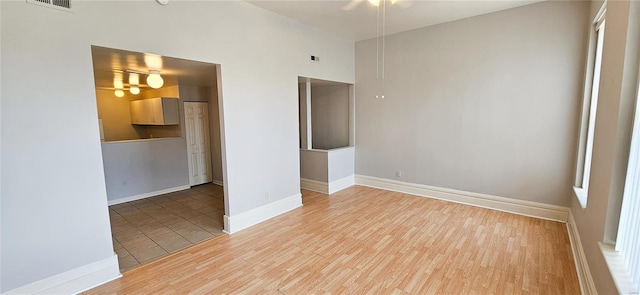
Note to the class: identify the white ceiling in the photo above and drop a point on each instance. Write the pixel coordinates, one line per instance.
(360, 23)
(174, 71)
(356, 24)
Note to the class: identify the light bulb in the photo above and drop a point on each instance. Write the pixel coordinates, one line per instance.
(119, 93)
(375, 2)
(154, 80)
(133, 79)
(135, 90)
(117, 84)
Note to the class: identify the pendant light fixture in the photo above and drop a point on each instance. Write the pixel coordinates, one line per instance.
(118, 86)
(381, 26)
(119, 93)
(135, 90)
(134, 80)
(154, 80)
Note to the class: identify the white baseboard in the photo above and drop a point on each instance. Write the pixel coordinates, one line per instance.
(327, 188)
(521, 207)
(148, 195)
(341, 184)
(587, 286)
(76, 280)
(238, 222)
(217, 182)
(314, 185)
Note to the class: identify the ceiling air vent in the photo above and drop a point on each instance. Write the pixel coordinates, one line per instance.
(64, 5)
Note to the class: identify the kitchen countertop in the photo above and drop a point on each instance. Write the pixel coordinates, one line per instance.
(142, 140)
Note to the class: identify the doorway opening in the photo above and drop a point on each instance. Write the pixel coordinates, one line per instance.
(163, 167)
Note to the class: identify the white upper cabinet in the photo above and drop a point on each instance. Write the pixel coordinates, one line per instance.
(155, 111)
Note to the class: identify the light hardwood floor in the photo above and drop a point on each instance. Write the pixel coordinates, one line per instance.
(363, 240)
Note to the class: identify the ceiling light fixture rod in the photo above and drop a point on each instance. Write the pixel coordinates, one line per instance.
(377, 42)
(129, 72)
(381, 25)
(384, 24)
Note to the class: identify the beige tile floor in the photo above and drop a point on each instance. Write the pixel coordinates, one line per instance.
(148, 229)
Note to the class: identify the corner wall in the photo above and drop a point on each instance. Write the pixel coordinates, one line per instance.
(116, 118)
(330, 116)
(53, 186)
(488, 104)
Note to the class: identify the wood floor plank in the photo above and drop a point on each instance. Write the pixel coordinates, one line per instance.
(369, 241)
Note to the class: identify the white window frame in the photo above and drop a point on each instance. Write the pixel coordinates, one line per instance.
(589, 108)
(623, 258)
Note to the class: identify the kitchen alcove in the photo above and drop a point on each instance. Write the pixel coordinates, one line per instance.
(327, 153)
(151, 139)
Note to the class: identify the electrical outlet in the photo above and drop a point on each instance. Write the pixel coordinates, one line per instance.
(267, 196)
(123, 182)
(398, 173)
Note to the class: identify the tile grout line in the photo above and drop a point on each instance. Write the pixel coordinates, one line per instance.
(169, 204)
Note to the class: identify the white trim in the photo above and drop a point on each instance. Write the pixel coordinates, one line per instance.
(589, 107)
(618, 269)
(342, 183)
(238, 222)
(587, 286)
(521, 207)
(581, 195)
(147, 195)
(218, 182)
(327, 188)
(76, 280)
(314, 185)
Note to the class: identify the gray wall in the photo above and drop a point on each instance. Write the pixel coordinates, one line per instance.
(330, 116)
(146, 166)
(209, 95)
(488, 104)
(598, 222)
(53, 186)
(214, 129)
(341, 163)
(314, 165)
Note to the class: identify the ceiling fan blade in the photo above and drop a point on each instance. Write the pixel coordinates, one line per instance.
(352, 4)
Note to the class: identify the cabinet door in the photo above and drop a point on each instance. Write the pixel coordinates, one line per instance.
(148, 117)
(135, 109)
(170, 112)
(155, 111)
(141, 112)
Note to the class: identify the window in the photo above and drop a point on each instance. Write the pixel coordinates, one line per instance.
(589, 107)
(624, 259)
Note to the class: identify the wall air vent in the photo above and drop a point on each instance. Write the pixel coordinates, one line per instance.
(64, 5)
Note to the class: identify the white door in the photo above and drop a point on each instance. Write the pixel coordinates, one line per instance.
(196, 116)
